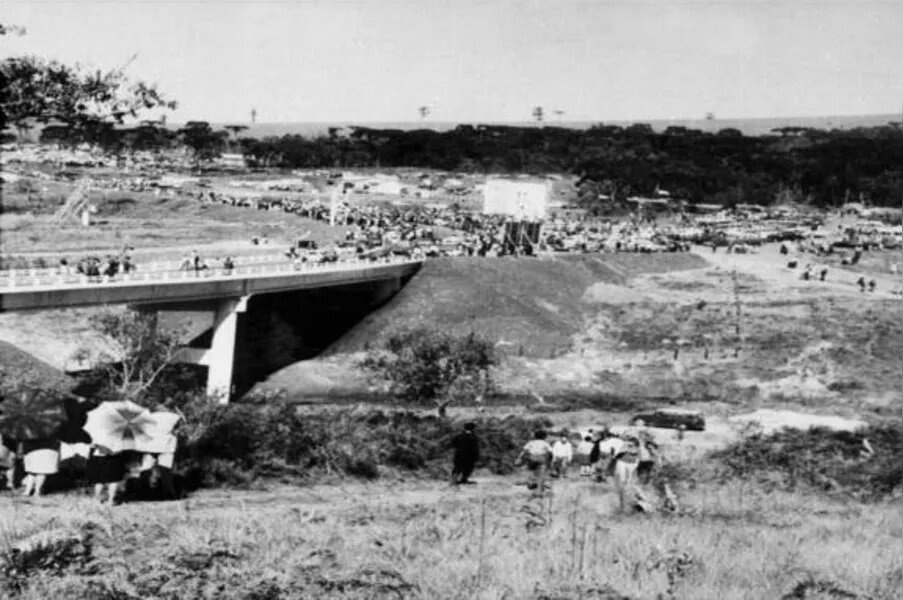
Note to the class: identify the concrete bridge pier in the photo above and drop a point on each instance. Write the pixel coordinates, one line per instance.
(220, 358)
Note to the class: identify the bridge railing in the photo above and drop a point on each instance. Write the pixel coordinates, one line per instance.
(41, 278)
(156, 265)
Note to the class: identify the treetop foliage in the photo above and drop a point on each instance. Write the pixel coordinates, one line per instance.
(38, 90)
(425, 365)
(727, 167)
(205, 143)
(822, 168)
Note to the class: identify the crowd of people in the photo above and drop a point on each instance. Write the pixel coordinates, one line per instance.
(629, 460)
(114, 476)
(69, 457)
(421, 230)
(477, 234)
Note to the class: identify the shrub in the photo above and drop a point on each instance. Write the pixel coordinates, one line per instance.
(821, 458)
(426, 366)
(239, 443)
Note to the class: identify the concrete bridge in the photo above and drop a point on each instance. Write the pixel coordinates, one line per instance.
(224, 294)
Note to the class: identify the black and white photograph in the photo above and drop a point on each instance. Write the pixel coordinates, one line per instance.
(451, 299)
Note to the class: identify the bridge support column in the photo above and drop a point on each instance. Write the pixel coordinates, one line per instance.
(220, 358)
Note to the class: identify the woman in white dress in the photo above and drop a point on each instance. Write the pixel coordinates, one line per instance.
(41, 458)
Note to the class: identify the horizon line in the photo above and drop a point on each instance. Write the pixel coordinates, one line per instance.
(552, 121)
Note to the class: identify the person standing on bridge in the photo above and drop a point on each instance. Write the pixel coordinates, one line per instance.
(467, 452)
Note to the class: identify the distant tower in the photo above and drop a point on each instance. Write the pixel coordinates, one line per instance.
(538, 114)
(253, 115)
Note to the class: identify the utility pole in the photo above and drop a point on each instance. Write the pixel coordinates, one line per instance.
(738, 313)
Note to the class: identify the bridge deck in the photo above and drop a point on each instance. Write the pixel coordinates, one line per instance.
(165, 286)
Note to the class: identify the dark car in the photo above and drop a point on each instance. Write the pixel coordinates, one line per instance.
(671, 418)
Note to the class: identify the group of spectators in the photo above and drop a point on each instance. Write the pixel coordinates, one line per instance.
(97, 269)
(472, 234)
(70, 458)
(629, 459)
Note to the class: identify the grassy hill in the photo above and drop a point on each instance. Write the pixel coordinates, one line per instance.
(530, 305)
(16, 363)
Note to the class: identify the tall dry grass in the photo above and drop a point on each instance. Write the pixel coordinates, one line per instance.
(376, 541)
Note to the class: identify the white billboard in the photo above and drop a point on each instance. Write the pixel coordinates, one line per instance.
(526, 200)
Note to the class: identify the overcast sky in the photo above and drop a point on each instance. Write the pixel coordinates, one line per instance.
(485, 60)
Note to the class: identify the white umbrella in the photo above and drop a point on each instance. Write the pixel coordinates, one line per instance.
(120, 426)
(162, 439)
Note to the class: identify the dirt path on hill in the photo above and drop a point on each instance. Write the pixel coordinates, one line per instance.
(770, 266)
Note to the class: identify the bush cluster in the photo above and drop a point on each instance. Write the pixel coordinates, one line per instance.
(835, 461)
(425, 365)
(239, 443)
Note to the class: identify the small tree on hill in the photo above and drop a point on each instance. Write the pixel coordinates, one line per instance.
(143, 352)
(422, 365)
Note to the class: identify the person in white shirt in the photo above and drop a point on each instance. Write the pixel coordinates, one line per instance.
(537, 455)
(562, 455)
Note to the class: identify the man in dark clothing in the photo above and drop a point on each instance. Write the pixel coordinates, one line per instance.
(467, 453)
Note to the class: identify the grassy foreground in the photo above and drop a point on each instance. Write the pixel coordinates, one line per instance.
(385, 540)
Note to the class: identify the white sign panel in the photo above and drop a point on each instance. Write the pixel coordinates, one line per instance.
(520, 199)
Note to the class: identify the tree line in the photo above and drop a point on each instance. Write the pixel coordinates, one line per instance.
(822, 168)
(73, 106)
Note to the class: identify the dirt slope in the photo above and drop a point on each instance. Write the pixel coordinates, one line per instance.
(17, 364)
(529, 306)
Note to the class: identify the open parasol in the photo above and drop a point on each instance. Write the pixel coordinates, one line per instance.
(162, 439)
(120, 426)
(30, 415)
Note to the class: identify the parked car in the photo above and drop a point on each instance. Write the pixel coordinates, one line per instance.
(671, 418)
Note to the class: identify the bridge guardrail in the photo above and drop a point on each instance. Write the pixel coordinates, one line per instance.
(32, 278)
(158, 265)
